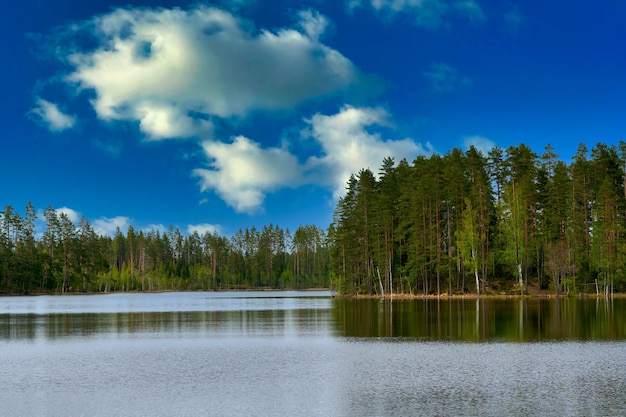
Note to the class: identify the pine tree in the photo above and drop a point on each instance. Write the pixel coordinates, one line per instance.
(481, 196)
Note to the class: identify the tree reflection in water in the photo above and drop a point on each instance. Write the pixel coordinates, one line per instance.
(482, 319)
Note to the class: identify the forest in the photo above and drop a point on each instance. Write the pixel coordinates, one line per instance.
(500, 223)
(463, 222)
(73, 258)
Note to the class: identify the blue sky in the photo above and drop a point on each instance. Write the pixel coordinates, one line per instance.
(217, 116)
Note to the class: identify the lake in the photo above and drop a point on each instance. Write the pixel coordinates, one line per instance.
(307, 354)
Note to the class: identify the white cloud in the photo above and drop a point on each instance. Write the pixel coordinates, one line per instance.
(313, 23)
(73, 215)
(163, 121)
(107, 226)
(242, 172)
(204, 228)
(483, 144)
(52, 116)
(429, 14)
(172, 71)
(156, 228)
(348, 146)
(443, 78)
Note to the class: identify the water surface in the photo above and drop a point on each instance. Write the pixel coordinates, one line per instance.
(305, 354)
(484, 319)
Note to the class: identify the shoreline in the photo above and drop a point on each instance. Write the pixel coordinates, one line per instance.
(36, 294)
(403, 296)
(333, 294)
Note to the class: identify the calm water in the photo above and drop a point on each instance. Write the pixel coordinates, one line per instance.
(305, 354)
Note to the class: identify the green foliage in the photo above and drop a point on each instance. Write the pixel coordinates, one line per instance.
(457, 223)
(73, 258)
(511, 218)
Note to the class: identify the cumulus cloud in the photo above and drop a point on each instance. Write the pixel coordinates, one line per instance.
(204, 228)
(429, 14)
(348, 146)
(155, 227)
(174, 71)
(443, 78)
(313, 23)
(483, 144)
(107, 226)
(242, 172)
(71, 214)
(52, 116)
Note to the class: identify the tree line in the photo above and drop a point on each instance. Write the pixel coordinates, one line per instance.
(455, 223)
(70, 257)
(497, 223)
